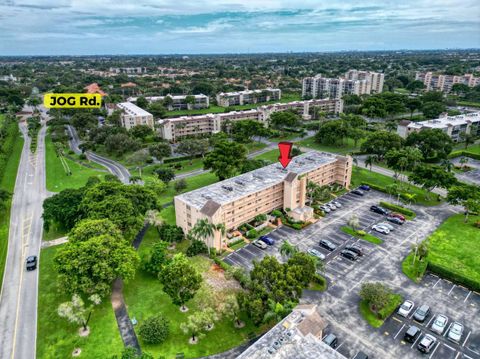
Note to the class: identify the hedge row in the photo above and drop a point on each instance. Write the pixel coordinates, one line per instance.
(454, 277)
(473, 155)
(181, 158)
(409, 213)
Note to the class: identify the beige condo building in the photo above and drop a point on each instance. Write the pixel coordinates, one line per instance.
(132, 116)
(444, 83)
(238, 200)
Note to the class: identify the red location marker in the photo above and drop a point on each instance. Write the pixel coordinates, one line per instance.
(285, 153)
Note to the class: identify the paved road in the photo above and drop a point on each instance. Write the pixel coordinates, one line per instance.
(113, 167)
(18, 298)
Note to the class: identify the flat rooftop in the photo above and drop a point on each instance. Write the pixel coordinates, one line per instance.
(240, 186)
(443, 122)
(247, 92)
(133, 109)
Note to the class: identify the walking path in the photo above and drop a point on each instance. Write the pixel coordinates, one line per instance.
(54, 242)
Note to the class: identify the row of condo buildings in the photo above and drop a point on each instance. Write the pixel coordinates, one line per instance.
(353, 83)
(444, 83)
(238, 200)
(178, 102)
(453, 126)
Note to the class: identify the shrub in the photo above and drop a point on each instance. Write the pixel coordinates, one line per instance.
(82, 156)
(154, 330)
(361, 232)
(196, 247)
(170, 233)
(277, 213)
(252, 234)
(296, 226)
(454, 277)
(400, 209)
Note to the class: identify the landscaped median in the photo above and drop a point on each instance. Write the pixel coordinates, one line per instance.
(362, 235)
(377, 303)
(408, 213)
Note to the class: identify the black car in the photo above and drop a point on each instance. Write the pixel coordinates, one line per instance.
(357, 192)
(331, 340)
(360, 355)
(364, 187)
(31, 263)
(325, 243)
(412, 334)
(379, 210)
(355, 249)
(349, 254)
(422, 313)
(395, 220)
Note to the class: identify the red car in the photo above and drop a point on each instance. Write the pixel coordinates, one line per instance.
(398, 215)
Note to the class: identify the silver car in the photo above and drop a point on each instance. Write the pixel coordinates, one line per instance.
(381, 229)
(406, 308)
(455, 333)
(315, 253)
(439, 324)
(387, 225)
(326, 209)
(337, 204)
(331, 206)
(260, 244)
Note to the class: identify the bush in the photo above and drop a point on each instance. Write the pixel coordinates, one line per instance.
(296, 226)
(454, 277)
(466, 153)
(409, 213)
(252, 234)
(170, 233)
(277, 213)
(361, 232)
(154, 330)
(82, 156)
(197, 247)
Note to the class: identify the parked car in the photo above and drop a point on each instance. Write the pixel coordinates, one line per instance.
(427, 343)
(379, 210)
(381, 229)
(337, 204)
(31, 263)
(364, 187)
(315, 253)
(395, 220)
(455, 333)
(326, 209)
(406, 308)
(422, 313)
(349, 254)
(357, 192)
(325, 243)
(331, 340)
(355, 249)
(398, 215)
(411, 334)
(331, 206)
(387, 225)
(267, 240)
(360, 355)
(439, 324)
(260, 244)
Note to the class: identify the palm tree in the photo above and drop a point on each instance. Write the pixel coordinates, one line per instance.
(369, 161)
(448, 165)
(204, 230)
(287, 249)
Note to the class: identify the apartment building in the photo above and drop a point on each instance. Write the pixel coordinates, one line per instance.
(451, 125)
(179, 102)
(238, 200)
(444, 83)
(354, 82)
(132, 116)
(226, 99)
(174, 129)
(128, 70)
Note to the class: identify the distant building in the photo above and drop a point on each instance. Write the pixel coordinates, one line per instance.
(451, 125)
(179, 102)
(226, 99)
(238, 200)
(94, 88)
(174, 129)
(8, 78)
(354, 83)
(129, 70)
(444, 83)
(132, 116)
(298, 336)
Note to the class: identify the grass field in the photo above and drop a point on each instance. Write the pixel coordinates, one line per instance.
(349, 146)
(271, 156)
(56, 337)
(8, 183)
(414, 271)
(145, 298)
(57, 179)
(192, 183)
(455, 246)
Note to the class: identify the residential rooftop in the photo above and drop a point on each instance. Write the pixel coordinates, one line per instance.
(446, 121)
(246, 92)
(132, 109)
(237, 187)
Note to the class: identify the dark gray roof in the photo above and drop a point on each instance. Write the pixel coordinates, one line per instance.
(290, 177)
(210, 208)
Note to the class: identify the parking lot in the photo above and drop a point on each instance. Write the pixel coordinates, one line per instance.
(382, 263)
(472, 176)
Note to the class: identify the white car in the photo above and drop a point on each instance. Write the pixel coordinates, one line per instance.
(337, 204)
(387, 225)
(455, 333)
(331, 206)
(381, 229)
(326, 209)
(315, 253)
(406, 308)
(439, 324)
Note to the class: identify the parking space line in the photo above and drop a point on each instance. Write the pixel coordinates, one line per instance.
(439, 279)
(428, 324)
(446, 331)
(434, 350)
(468, 336)
(336, 349)
(396, 335)
(415, 342)
(468, 295)
(448, 346)
(456, 356)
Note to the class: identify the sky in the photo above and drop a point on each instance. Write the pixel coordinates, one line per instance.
(89, 27)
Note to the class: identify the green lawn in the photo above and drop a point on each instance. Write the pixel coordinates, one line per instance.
(362, 175)
(255, 146)
(57, 179)
(347, 148)
(375, 320)
(145, 298)
(168, 214)
(56, 337)
(367, 237)
(271, 156)
(178, 167)
(369, 316)
(414, 271)
(192, 183)
(454, 246)
(8, 183)
(53, 233)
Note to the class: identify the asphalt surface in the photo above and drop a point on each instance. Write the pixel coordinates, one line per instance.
(18, 298)
(113, 167)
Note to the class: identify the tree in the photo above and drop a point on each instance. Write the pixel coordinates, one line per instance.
(120, 144)
(415, 86)
(63, 209)
(287, 249)
(380, 142)
(131, 353)
(460, 89)
(154, 330)
(196, 247)
(180, 280)
(160, 150)
(465, 195)
(243, 131)
(433, 109)
(165, 174)
(413, 104)
(374, 107)
(467, 138)
(193, 147)
(226, 159)
(76, 312)
(141, 132)
(433, 143)
(204, 231)
(88, 228)
(157, 258)
(180, 185)
(253, 164)
(282, 119)
(354, 222)
(170, 233)
(404, 159)
(142, 102)
(370, 160)
(231, 309)
(157, 109)
(194, 325)
(4, 197)
(431, 177)
(92, 265)
(376, 294)
(332, 133)
(303, 268)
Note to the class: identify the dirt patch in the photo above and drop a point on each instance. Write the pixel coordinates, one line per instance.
(215, 277)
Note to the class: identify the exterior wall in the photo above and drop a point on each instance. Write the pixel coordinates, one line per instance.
(248, 97)
(444, 83)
